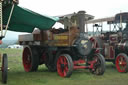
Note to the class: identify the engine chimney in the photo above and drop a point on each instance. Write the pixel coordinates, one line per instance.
(81, 20)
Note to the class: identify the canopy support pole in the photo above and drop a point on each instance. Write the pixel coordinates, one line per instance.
(1, 19)
(9, 19)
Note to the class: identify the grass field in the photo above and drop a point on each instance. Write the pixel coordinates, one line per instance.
(17, 76)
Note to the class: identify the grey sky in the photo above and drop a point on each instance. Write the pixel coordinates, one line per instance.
(98, 8)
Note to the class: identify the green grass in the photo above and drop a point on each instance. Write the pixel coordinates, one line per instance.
(17, 76)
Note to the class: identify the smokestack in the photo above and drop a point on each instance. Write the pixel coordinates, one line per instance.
(81, 20)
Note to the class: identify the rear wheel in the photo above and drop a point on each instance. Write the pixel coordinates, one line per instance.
(122, 63)
(4, 68)
(99, 65)
(64, 65)
(30, 59)
(50, 62)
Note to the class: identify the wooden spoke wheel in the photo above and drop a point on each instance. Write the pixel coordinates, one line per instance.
(99, 65)
(4, 68)
(64, 65)
(122, 63)
(30, 59)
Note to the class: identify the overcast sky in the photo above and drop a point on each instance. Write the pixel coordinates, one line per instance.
(98, 8)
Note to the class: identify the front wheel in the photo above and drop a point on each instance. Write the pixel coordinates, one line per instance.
(99, 65)
(64, 65)
(122, 63)
(4, 68)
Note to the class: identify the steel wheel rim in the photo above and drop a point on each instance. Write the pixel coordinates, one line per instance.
(27, 59)
(4, 69)
(62, 66)
(97, 65)
(121, 63)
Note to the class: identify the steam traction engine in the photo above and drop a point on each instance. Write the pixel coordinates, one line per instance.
(64, 49)
(114, 43)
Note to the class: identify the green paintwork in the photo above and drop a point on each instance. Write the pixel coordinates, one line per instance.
(24, 20)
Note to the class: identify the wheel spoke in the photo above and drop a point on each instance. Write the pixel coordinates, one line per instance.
(64, 59)
(124, 63)
(65, 72)
(59, 65)
(66, 68)
(61, 60)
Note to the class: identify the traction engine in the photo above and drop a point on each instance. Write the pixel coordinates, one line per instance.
(114, 43)
(64, 49)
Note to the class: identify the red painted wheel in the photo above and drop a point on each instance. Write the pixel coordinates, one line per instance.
(99, 65)
(4, 68)
(122, 63)
(64, 65)
(27, 59)
(30, 59)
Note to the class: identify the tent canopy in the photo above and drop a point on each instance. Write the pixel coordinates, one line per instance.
(24, 20)
(123, 16)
